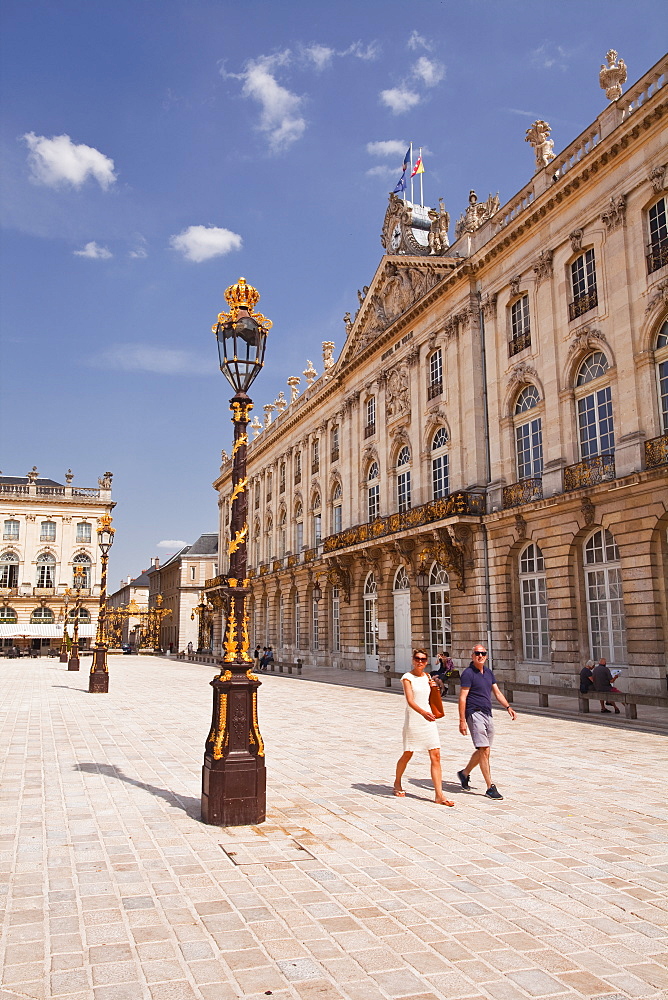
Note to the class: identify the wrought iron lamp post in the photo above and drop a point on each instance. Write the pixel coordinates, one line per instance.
(233, 775)
(204, 611)
(64, 656)
(98, 681)
(73, 663)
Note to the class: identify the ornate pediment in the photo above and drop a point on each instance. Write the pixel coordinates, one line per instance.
(396, 287)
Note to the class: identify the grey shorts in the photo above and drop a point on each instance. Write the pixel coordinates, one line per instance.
(481, 728)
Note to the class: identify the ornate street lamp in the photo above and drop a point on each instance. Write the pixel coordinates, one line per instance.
(73, 663)
(204, 612)
(98, 680)
(233, 775)
(317, 592)
(63, 646)
(422, 578)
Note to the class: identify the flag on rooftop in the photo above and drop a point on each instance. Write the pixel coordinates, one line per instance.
(401, 184)
(419, 167)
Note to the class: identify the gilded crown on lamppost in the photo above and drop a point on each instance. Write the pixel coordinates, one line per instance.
(242, 296)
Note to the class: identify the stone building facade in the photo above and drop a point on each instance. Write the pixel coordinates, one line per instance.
(48, 530)
(180, 580)
(134, 590)
(494, 429)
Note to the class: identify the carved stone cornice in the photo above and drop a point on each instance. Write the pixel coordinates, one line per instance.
(521, 374)
(488, 304)
(542, 266)
(614, 216)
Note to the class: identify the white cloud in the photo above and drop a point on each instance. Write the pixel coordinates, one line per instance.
(94, 251)
(368, 53)
(199, 243)
(387, 147)
(320, 55)
(148, 358)
(280, 116)
(429, 71)
(59, 161)
(171, 543)
(548, 56)
(418, 41)
(139, 251)
(381, 171)
(399, 100)
(518, 111)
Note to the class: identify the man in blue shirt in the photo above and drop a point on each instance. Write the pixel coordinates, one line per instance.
(475, 714)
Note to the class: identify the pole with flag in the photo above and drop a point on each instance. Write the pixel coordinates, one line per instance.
(418, 169)
(401, 183)
(410, 150)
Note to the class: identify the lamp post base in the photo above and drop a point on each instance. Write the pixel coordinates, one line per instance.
(234, 778)
(98, 680)
(64, 657)
(73, 663)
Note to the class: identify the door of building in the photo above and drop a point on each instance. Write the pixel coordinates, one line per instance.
(371, 624)
(402, 621)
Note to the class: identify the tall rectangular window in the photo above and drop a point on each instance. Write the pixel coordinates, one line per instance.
(336, 620)
(336, 519)
(298, 466)
(374, 501)
(440, 480)
(11, 530)
(83, 532)
(583, 284)
(529, 440)
(435, 387)
(597, 436)
(316, 626)
(404, 490)
(281, 478)
(370, 427)
(658, 236)
(335, 444)
(520, 325)
(317, 529)
(315, 456)
(47, 531)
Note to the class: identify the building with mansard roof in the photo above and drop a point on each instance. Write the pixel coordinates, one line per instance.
(180, 581)
(49, 529)
(494, 429)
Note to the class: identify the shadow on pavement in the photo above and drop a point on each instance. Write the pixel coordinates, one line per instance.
(190, 805)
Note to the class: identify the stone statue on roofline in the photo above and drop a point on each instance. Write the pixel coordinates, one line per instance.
(438, 229)
(612, 76)
(476, 214)
(539, 137)
(293, 382)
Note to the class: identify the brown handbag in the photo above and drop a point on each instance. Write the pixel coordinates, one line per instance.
(436, 702)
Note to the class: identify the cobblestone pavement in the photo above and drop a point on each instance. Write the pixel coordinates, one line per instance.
(116, 891)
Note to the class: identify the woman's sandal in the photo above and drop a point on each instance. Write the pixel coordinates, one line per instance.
(444, 802)
(399, 792)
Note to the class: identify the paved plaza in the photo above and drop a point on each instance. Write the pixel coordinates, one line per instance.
(116, 891)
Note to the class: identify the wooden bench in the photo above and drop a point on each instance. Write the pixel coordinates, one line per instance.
(629, 700)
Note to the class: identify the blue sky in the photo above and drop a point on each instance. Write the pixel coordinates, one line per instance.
(156, 150)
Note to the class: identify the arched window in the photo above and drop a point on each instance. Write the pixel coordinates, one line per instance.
(661, 358)
(83, 616)
(9, 569)
(440, 465)
(81, 562)
(370, 616)
(605, 601)
(8, 616)
(83, 532)
(47, 531)
(404, 479)
(595, 424)
(401, 581)
(337, 508)
(46, 570)
(440, 619)
(42, 616)
(299, 528)
(11, 530)
(282, 518)
(533, 598)
(317, 521)
(373, 492)
(528, 435)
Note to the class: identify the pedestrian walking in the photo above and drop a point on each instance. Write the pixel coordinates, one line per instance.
(475, 715)
(420, 730)
(256, 657)
(603, 684)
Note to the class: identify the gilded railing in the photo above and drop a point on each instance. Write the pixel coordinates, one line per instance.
(519, 342)
(523, 492)
(427, 513)
(656, 452)
(215, 581)
(589, 472)
(657, 256)
(582, 304)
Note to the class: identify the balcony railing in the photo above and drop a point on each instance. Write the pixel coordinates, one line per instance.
(9, 592)
(519, 342)
(13, 488)
(298, 478)
(369, 430)
(315, 467)
(525, 491)
(435, 510)
(334, 457)
(582, 304)
(434, 389)
(589, 472)
(657, 256)
(656, 452)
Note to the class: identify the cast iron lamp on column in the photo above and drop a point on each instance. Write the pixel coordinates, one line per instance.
(98, 681)
(73, 663)
(204, 611)
(64, 656)
(233, 775)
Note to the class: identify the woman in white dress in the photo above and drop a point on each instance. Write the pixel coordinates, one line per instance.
(420, 729)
